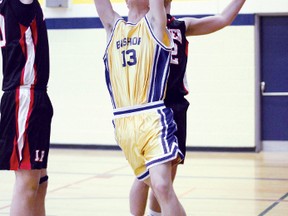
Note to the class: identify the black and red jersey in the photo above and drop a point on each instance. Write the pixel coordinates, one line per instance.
(177, 86)
(24, 43)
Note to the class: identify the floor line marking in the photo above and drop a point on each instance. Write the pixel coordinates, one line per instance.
(273, 205)
(80, 181)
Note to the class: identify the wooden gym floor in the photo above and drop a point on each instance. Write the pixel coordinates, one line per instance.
(94, 182)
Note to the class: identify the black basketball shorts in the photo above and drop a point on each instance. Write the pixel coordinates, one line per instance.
(25, 126)
(180, 108)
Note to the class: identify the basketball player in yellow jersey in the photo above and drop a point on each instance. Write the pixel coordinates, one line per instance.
(136, 62)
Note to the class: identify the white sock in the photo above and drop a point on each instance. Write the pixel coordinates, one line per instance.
(153, 213)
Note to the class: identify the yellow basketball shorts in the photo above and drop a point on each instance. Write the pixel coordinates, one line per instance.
(146, 135)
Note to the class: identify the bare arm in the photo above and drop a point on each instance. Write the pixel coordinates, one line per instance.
(106, 14)
(157, 17)
(211, 24)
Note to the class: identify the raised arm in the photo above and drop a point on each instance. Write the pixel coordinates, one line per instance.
(214, 23)
(106, 14)
(157, 17)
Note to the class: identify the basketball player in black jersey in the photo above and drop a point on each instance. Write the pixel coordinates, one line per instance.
(176, 89)
(26, 110)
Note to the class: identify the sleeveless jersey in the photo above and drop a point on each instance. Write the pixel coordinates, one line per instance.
(136, 64)
(177, 86)
(24, 43)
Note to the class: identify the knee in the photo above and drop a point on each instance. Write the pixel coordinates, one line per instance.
(161, 188)
(27, 189)
(30, 186)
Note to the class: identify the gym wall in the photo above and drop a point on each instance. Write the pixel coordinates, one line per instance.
(221, 75)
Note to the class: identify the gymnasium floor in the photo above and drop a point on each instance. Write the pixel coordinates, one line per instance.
(94, 182)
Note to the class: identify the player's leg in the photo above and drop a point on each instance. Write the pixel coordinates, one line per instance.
(41, 194)
(40, 139)
(138, 197)
(180, 117)
(161, 184)
(25, 192)
(154, 207)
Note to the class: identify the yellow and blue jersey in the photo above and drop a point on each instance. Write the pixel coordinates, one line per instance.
(136, 64)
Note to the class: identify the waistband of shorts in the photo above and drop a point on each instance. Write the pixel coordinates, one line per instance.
(131, 110)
